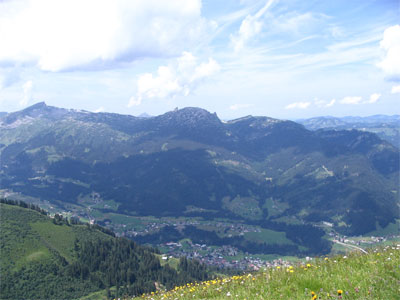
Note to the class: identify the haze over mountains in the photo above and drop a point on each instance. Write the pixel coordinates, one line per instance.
(260, 171)
(386, 127)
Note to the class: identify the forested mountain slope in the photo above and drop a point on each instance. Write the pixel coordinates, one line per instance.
(44, 258)
(255, 170)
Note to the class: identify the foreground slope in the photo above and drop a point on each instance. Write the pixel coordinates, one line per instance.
(44, 258)
(374, 275)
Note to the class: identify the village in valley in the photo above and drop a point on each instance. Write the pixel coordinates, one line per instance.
(222, 257)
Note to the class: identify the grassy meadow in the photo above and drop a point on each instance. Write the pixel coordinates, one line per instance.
(375, 275)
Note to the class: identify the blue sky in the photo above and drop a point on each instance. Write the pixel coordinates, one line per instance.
(285, 59)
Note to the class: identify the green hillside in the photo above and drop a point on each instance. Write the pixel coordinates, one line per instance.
(45, 258)
(374, 275)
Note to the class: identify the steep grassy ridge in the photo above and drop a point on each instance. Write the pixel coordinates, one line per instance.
(35, 252)
(375, 275)
(44, 258)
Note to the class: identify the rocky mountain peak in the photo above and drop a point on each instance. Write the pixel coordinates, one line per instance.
(39, 105)
(190, 117)
(253, 120)
(38, 110)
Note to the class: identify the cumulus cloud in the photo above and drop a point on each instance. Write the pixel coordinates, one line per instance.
(391, 45)
(249, 28)
(240, 106)
(323, 103)
(301, 105)
(351, 100)
(374, 98)
(396, 89)
(94, 34)
(27, 96)
(354, 100)
(331, 103)
(180, 77)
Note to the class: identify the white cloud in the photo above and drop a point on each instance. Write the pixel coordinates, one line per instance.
(249, 28)
(133, 101)
(69, 34)
(27, 88)
(354, 100)
(293, 22)
(240, 106)
(331, 103)
(100, 109)
(181, 77)
(301, 105)
(396, 89)
(323, 103)
(391, 45)
(374, 98)
(351, 100)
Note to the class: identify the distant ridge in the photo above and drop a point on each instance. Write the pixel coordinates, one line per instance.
(354, 119)
(385, 126)
(145, 115)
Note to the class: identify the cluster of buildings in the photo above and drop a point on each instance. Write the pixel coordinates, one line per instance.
(224, 257)
(360, 241)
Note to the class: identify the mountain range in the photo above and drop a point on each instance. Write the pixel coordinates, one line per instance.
(386, 127)
(260, 171)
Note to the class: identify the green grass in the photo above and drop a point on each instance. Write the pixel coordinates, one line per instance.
(27, 236)
(44, 258)
(59, 238)
(268, 236)
(116, 218)
(338, 249)
(245, 207)
(172, 262)
(109, 204)
(99, 295)
(392, 228)
(20, 244)
(275, 207)
(374, 275)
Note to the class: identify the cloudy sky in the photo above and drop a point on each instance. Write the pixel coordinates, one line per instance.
(279, 58)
